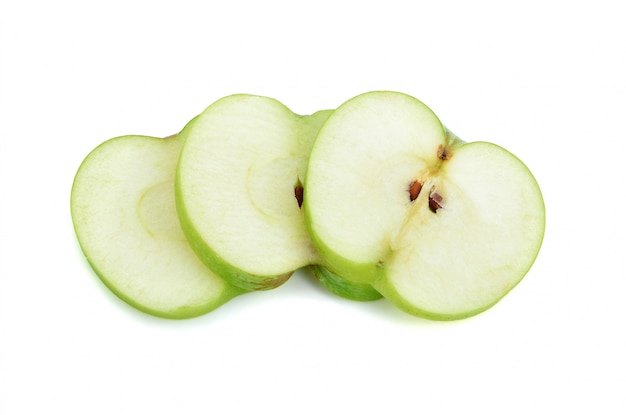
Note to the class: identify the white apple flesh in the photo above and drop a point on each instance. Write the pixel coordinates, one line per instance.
(442, 228)
(124, 215)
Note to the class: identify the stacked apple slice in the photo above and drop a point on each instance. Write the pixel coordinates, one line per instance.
(124, 215)
(376, 197)
(239, 181)
(441, 228)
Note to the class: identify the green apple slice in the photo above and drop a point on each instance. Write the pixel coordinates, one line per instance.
(442, 228)
(124, 215)
(239, 189)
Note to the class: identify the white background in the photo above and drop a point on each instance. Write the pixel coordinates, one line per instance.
(546, 80)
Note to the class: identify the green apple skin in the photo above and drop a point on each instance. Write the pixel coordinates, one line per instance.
(134, 258)
(343, 287)
(305, 128)
(440, 262)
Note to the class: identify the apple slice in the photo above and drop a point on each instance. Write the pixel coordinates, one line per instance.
(442, 228)
(239, 189)
(124, 215)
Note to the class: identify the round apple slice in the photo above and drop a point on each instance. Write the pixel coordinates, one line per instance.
(239, 189)
(441, 228)
(124, 216)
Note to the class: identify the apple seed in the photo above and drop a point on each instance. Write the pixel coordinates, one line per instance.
(299, 193)
(435, 201)
(414, 190)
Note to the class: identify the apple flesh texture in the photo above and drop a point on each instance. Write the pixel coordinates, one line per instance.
(125, 219)
(242, 166)
(442, 228)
